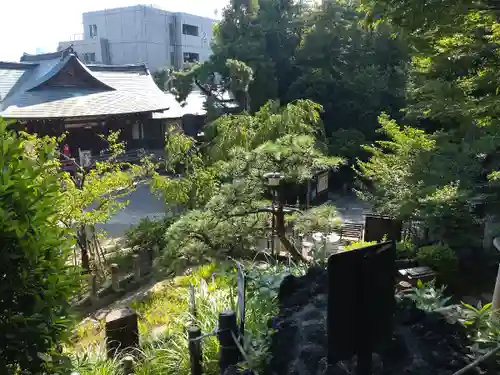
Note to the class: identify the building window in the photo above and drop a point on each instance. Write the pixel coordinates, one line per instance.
(190, 57)
(89, 58)
(172, 60)
(93, 31)
(189, 29)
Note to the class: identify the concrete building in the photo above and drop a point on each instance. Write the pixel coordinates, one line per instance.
(143, 34)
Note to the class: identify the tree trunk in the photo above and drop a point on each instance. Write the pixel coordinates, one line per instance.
(84, 250)
(281, 232)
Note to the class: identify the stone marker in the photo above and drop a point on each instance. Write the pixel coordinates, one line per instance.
(122, 331)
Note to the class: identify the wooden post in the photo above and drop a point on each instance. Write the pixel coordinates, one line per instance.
(128, 365)
(122, 331)
(148, 261)
(195, 353)
(137, 267)
(93, 288)
(495, 304)
(228, 354)
(115, 282)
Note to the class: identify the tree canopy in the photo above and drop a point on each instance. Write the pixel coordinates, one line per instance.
(452, 95)
(224, 184)
(288, 50)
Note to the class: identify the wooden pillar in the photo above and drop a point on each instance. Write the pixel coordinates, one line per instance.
(122, 331)
(228, 354)
(195, 353)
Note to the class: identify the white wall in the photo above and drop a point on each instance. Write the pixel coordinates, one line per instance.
(196, 44)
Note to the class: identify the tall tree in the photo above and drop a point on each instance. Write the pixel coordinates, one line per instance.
(297, 50)
(229, 207)
(453, 94)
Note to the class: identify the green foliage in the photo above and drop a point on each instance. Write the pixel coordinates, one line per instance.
(362, 75)
(346, 143)
(37, 283)
(323, 219)
(167, 310)
(148, 233)
(275, 50)
(405, 250)
(359, 244)
(163, 78)
(388, 175)
(223, 184)
(199, 180)
(428, 297)
(483, 326)
(439, 257)
(93, 195)
(451, 94)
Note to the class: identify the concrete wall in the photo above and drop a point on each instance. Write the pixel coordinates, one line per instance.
(142, 34)
(195, 44)
(98, 46)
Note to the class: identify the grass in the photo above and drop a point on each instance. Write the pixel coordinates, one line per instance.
(165, 315)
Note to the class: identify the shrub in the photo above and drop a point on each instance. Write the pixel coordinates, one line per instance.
(36, 283)
(405, 250)
(359, 244)
(148, 233)
(439, 257)
(428, 297)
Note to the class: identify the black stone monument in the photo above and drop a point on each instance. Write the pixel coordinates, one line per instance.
(361, 303)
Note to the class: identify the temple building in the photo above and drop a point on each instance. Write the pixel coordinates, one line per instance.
(50, 94)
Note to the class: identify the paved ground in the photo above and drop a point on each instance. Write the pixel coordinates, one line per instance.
(142, 204)
(350, 208)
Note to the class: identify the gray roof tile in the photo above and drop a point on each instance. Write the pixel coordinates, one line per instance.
(121, 90)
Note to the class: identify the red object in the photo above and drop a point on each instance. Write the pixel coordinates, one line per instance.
(66, 151)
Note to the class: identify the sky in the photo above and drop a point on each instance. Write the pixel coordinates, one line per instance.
(33, 26)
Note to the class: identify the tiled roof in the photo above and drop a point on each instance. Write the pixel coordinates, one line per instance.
(34, 89)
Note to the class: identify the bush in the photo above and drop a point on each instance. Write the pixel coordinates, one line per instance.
(36, 283)
(405, 250)
(148, 233)
(440, 258)
(359, 244)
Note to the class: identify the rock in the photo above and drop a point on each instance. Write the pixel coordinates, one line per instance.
(473, 301)
(487, 297)
(423, 343)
